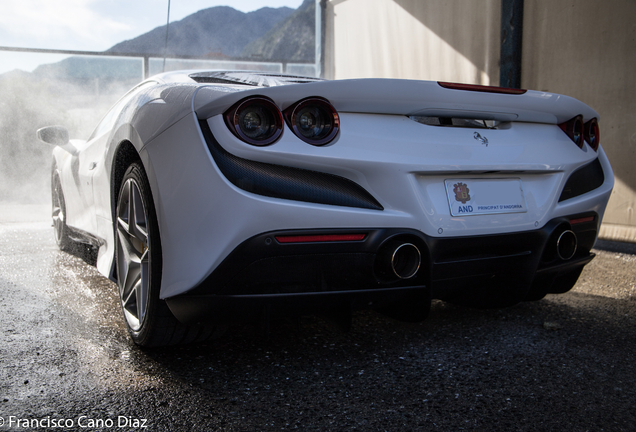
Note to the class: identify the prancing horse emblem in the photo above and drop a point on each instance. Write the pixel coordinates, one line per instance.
(478, 137)
(461, 192)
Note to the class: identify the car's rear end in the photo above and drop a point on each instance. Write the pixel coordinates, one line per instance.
(376, 193)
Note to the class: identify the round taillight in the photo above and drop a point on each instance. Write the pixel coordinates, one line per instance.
(255, 120)
(592, 133)
(313, 120)
(574, 129)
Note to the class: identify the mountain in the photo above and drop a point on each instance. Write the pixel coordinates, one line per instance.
(292, 40)
(218, 32)
(221, 32)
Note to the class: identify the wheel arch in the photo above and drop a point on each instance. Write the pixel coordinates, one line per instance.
(56, 166)
(125, 154)
(55, 171)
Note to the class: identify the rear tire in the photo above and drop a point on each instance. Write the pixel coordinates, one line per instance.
(139, 268)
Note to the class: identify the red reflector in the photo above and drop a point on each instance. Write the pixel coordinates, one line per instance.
(581, 220)
(320, 238)
(481, 88)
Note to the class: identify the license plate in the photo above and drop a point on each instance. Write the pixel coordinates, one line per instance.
(485, 196)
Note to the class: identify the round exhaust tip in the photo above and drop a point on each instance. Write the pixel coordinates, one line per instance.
(566, 245)
(406, 260)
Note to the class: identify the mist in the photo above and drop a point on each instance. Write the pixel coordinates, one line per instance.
(76, 91)
(31, 100)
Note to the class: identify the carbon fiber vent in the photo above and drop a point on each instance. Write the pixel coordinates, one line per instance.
(278, 181)
(583, 180)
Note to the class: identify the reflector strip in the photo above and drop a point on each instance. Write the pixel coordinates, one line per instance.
(581, 220)
(320, 238)
(481, 88)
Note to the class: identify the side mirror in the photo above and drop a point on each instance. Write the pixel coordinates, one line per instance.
(56, 135)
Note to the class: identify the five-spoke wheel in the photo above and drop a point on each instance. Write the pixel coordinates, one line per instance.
(138, 259)
(133, 253)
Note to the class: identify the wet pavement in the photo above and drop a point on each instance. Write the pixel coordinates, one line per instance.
(567, 362)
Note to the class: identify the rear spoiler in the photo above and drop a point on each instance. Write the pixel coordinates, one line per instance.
(407, 97)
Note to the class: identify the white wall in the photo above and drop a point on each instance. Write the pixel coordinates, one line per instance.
(587, 49)
(453, 40)
(581, 48)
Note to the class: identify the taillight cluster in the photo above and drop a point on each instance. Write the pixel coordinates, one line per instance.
(592, 133)
(580, 132)
(258, 121)
(313, 120)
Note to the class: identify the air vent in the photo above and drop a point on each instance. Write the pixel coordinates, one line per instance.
(583, 180)
(278, 181)
(259, 79)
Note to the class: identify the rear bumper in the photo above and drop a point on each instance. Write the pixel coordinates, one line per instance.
(263, 274)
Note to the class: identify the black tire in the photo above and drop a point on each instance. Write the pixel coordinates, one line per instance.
(58, 213)
(148, 318)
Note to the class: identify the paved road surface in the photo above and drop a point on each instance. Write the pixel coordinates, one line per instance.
(566, 363)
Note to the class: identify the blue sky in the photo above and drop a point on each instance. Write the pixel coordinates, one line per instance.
(94, 25)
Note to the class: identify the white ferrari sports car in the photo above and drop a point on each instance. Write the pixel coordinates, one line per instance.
(216, 196)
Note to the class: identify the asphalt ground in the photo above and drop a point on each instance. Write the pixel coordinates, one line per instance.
(565, 363)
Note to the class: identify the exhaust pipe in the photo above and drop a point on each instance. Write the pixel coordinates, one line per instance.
(406, 260)
(398, 259)
(566, 245)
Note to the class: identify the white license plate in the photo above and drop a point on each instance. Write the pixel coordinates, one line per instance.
(485, 196)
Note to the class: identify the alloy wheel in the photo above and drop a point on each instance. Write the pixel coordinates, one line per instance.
(133, 254)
